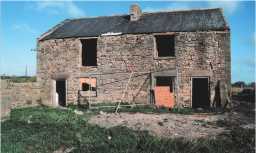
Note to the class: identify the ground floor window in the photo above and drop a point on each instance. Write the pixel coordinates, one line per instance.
(88, 86)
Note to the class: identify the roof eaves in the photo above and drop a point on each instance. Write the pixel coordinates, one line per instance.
(47, 33)
(224, 18)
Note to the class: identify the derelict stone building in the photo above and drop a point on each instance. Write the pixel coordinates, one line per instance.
(175, 58)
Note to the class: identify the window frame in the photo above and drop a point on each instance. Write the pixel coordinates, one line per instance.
(96, 87)
(81, 51)
(155, 46)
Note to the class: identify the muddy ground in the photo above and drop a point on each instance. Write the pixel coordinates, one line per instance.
(170, 125)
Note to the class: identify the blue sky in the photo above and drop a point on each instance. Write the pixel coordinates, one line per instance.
(22, 22)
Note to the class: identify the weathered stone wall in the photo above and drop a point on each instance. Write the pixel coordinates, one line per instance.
(201, 54)
(61, 58)
(15, 95)
(58, 59)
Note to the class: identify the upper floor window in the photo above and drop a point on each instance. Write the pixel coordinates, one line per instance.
(165, 45)
(89, 52)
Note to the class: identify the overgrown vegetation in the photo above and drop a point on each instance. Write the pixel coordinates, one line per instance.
(132, 108)
(19, 79)
(43, 129)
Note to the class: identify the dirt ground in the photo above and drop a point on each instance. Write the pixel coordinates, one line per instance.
(172, 125)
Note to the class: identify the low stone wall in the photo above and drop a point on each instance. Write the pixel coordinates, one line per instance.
(15, 95)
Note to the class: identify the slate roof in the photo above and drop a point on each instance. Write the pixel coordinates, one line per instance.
(158, 22)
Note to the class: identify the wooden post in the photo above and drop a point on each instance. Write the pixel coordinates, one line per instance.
(89, 101)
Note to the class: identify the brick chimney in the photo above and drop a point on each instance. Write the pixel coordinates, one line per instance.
(135, 12)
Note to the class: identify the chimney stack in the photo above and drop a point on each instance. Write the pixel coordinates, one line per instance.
(135, 12)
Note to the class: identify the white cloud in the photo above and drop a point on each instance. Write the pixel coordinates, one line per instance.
(228, 6)
(173, 6)
(25, 28)
(74, 11)
(58, 7)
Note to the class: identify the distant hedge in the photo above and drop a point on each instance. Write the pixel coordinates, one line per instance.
(19, 79)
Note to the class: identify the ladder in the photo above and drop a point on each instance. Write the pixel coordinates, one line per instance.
(123, 96)
(129, 68)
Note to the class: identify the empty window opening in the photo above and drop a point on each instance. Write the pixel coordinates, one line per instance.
(88, 86)
(61, 92)
(165, 81)
(89, 52)
(165, 45)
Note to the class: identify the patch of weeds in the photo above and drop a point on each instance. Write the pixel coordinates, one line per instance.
(201, 123)
(51, 129)
(226, 123)
(186, 111)
(130, 109)
(133, 108)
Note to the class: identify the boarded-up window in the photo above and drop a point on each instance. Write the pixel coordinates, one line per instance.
(165, 45)
(89, 52)
(88, 86)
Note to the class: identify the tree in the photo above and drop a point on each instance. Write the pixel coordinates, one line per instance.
(239, 84)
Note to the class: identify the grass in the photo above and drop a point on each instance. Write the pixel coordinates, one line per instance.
(43, 130)
(19, 79)
(149, 109)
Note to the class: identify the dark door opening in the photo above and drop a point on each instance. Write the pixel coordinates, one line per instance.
(61, 90)
(200, 93)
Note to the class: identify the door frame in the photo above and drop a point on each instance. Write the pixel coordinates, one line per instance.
(165, 74)
(53, 93)
(191, 92)
(169, 73)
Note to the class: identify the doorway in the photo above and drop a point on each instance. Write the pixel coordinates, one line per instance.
(61, 92)
(200, 92)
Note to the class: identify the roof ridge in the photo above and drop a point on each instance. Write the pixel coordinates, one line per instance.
(184, 10)
(93, 17)
(145, 13)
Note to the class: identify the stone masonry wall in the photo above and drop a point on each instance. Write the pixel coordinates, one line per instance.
(61, 58)
(15, 95)
(204, 54)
